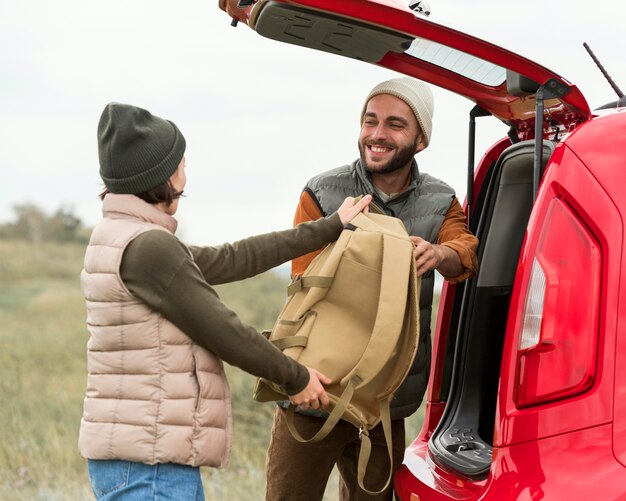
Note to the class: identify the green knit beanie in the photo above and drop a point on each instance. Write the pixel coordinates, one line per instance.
(138, 151)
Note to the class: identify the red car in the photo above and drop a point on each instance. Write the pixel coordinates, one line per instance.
(527, 397)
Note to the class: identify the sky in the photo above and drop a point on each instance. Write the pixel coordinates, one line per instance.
(260, 117)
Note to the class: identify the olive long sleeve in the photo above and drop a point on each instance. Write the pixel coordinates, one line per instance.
(175, 281)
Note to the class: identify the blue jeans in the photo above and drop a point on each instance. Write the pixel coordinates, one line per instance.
(113, 480)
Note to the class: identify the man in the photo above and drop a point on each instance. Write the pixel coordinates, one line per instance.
(396, 123)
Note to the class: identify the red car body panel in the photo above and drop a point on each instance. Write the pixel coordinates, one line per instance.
(552, 468)
(567, 179)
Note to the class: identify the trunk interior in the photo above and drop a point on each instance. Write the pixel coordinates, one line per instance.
(463, 439)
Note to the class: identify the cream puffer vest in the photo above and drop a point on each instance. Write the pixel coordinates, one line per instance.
(153, 396)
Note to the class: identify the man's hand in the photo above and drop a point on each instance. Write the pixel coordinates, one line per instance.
(313, 396)
(349, 210)
(430, 257)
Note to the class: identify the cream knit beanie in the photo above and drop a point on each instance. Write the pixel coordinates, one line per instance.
(413, 92)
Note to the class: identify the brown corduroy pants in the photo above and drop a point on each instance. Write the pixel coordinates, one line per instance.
(299, 472)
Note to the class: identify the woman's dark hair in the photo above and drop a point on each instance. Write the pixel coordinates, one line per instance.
(164, 193)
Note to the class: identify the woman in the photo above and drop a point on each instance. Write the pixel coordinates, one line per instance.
(157, 405)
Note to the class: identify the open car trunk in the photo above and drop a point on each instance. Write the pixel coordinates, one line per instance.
(534, 102)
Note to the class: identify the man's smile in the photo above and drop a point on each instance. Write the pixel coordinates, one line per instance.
(378, 149)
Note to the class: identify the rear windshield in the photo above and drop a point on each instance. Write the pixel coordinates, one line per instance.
(454, 60)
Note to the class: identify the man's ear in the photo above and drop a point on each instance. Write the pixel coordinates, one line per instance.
(420, 143)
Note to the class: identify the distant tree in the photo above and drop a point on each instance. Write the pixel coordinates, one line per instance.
(63, 226)
(30, 223)
(33, 225)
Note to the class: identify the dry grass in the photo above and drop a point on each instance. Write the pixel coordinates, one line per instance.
(43, 373)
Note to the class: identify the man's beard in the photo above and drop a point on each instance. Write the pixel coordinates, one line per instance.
(401, 158)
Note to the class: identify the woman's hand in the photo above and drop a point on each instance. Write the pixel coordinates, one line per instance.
(313, 396)
(349, 210)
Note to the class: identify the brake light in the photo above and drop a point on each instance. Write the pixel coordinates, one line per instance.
(559, 334)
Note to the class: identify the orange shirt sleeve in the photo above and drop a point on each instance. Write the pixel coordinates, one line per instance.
(455, 234)
(307, 210)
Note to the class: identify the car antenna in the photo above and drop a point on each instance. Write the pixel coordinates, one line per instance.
(618, 91)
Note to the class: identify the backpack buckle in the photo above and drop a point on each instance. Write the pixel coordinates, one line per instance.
(294, 286)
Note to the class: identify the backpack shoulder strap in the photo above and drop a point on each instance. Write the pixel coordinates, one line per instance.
(396, 268)
(366, 448)
(366, 445)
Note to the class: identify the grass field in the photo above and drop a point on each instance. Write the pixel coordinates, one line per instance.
(43, 374)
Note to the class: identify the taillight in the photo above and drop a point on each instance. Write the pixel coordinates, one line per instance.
(559, 334)
(533, 308)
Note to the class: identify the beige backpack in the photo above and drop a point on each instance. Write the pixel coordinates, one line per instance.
(354, 316)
